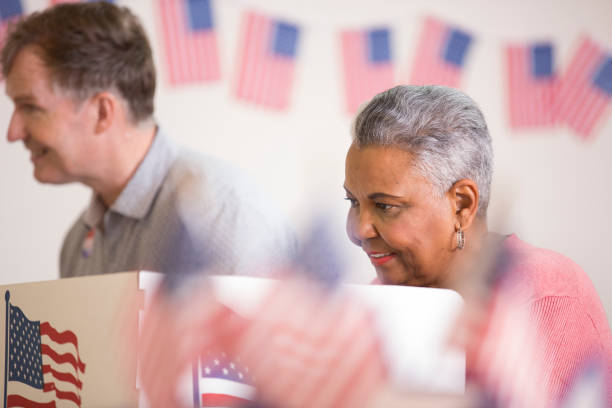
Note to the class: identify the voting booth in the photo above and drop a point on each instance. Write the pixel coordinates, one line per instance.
(64, 341)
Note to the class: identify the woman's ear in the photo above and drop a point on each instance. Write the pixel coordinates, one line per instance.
(464, 199)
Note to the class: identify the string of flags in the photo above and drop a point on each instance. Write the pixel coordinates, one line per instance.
(540, 93)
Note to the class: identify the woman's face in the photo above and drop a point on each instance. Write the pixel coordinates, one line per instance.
(404, 226)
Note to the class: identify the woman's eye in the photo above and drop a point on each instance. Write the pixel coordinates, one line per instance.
(352, 201)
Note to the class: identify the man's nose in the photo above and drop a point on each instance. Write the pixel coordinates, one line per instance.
(16, 130)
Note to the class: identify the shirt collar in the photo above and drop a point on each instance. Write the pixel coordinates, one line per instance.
(137, 197)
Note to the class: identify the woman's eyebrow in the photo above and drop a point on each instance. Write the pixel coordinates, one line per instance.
(374, 196)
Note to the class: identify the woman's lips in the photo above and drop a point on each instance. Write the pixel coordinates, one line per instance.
(380, 258)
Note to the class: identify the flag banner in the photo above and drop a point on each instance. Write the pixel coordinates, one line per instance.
(43, 359)
(440, 55)
(266, 61)
(586, 89)
(190, 41)
(54, 2)
(367, 65)
(222, 381)
(532, 83)
(10, 10)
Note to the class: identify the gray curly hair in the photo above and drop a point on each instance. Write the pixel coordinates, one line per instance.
(442, 127)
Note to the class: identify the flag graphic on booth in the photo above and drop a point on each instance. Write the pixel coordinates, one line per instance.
(42, 365)
(10, 10)
(190, 41)
(586, 89)
(441, 54)
(266, 61)
(532, 85)
(367, 64)
(220, 381)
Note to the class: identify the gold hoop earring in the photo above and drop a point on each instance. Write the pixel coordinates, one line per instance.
(460, 238)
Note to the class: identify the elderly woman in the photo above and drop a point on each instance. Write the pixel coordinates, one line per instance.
(418, 177)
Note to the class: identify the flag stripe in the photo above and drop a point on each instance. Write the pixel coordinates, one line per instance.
(46, 350)
(66, 377)
(22, 402)
(61, 338)
(65, 395)
(222, 400)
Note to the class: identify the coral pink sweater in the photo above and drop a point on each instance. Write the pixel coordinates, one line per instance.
(565, 306)
(571, 323)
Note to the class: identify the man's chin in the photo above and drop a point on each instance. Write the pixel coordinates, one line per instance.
(49, 178)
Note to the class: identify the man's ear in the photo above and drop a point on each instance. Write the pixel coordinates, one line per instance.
(464, 199)
(104, 105)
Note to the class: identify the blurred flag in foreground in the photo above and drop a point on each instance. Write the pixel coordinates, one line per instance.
(441, 55)
(44, 366)
(190, 41)
(367, 65)
(586, 89)
(307, 347)
(507, 363)
(266, 61)
(531, 85)
(302, 346)
(590, 388)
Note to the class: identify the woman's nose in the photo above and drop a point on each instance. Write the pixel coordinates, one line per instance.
(360, 226)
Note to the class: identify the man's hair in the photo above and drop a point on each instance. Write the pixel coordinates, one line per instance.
(89, 48)
(442, 127)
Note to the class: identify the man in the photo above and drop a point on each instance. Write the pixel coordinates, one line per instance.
(82, 79)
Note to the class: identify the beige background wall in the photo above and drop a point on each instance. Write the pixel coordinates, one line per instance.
(551, 188)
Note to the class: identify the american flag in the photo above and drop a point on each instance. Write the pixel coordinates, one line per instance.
(222, 381)
(173, 334)
(367, 64)
(302, 346)
(266, 61)
(44, 365)
(531, 85)
(586, 88)
(307, 347)
(190, 41)
(441, 54)
(10, 10)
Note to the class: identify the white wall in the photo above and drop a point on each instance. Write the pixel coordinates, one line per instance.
(549, 186)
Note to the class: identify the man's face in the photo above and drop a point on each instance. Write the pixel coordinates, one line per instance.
(54, 128)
